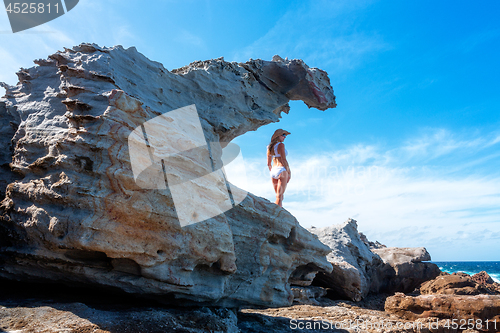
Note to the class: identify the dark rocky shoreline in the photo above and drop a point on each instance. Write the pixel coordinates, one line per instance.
(34, 307)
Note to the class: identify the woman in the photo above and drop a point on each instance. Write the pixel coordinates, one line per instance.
(280, 171)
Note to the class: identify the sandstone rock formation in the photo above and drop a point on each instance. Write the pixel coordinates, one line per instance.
(462, 309)
(455, 298)
(457, 284)
(403, 269)
(401, 255)
(361, 266)
(353, 262)
(62, 309)
(482, 278)
(56, 309)
(486, 281)
(8, 127)
(114, 177)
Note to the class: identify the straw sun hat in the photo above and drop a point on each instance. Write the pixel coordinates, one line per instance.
(279, 132)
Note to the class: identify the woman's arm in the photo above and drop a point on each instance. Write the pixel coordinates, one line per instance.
(269, 161)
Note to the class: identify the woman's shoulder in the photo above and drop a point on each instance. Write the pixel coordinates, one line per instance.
(280, 147)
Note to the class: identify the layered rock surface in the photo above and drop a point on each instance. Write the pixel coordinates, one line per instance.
(457, 299)
(459, 284)
(115, 177)
(56, 308)
(472, 312)
(361, 266)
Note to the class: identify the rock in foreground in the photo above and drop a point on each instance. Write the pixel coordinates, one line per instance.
(452, 284)
(458, 284)
(115, 177)
(478, 310)
(56, 308)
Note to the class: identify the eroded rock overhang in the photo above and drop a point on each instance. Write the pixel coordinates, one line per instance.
(73, 209)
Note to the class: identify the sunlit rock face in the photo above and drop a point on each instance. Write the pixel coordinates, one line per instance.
(112, 175)
(404, 269)
(353, 262)
(359, 270)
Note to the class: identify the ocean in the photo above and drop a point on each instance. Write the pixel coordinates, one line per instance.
(471, 267)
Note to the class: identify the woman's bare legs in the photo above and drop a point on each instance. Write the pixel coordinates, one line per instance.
(281, 187)
(275, 185)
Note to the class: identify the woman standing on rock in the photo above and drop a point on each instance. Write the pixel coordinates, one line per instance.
(280, 171)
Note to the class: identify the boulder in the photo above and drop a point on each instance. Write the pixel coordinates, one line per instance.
(361, 266)
(353, 262)
(403, 269)
(456, 284)
(401, 255)
(479, 309)
(482, 278)
(114, 177)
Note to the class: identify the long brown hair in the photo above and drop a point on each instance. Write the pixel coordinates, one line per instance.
(271, 145)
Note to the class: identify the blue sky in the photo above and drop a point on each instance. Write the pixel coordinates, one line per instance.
(411, 151)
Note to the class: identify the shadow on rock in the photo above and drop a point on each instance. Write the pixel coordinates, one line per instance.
(28, 307)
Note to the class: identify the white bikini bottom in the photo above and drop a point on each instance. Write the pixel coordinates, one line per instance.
(276, 171)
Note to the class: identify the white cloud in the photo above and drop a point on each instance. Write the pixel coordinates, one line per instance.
(441, 142)
(495, 140)
(345, 52)
(427, 203)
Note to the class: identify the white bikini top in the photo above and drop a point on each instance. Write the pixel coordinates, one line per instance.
(276, 150)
